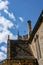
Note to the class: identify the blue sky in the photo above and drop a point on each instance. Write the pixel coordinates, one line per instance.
(14, 15)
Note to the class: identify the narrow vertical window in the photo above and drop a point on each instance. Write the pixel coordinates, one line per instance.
(38, 50)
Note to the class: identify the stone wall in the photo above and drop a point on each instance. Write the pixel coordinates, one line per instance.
(37, 45)
(19, 62)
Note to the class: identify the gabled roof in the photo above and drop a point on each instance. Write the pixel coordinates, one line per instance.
(19, 49)
(36, 27)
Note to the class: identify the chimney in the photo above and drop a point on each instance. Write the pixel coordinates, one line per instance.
(8, 48)
(8, 37)
(29, 27)
(18, 35)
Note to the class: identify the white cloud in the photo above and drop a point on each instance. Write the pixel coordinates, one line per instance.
(4, 32)
(21, 19)
(2, 56)
(3, 4)
(11, 15)
(6, 11)
(3, 49)
(0, 0)
(4, 25)
(13, 37)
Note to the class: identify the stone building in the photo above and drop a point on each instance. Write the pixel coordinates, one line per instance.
(26, 50)
(19, 53)
(36, 39)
